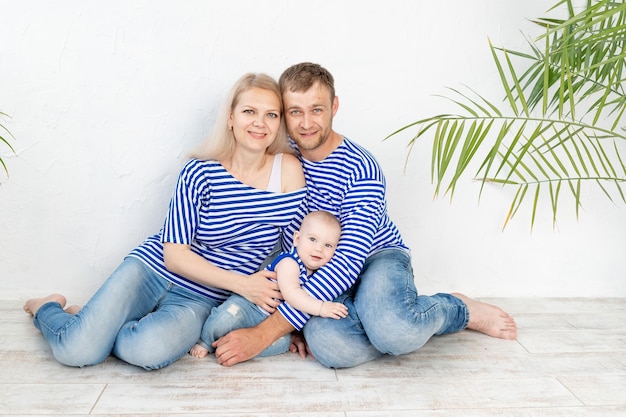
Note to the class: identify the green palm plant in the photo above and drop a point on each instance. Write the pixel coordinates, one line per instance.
(4, 139)
(562, 122)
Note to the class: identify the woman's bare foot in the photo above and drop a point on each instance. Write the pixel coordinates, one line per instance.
(34, 304)
(73, 309)
(489, 319)
(198, 351)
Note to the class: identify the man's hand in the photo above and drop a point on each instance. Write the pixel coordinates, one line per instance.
(244, 344)
(298, 345)
(237, 346)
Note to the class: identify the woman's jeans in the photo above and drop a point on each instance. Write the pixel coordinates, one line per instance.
(385, 316)
(136, 315)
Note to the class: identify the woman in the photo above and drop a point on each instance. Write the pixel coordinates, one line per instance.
(231, 202)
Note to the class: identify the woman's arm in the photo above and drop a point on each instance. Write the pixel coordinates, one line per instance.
(292, 176)
(257, 288)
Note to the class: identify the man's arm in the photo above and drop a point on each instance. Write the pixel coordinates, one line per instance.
(362, 209)
(244, 344)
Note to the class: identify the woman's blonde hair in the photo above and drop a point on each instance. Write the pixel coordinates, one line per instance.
(220, 144)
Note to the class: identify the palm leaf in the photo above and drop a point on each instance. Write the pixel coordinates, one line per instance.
(5, 140)
(550, 131)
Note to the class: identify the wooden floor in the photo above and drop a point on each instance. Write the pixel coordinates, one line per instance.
(569, 360)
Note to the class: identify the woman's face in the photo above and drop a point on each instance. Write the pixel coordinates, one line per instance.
(255, 120)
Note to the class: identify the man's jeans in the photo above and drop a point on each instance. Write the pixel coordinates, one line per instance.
(138, 316)
(386, 315)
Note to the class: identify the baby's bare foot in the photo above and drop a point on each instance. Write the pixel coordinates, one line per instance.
(73, 309)
(32, 306)
(489, 319)
(198, 351)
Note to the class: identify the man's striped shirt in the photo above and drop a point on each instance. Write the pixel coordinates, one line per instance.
(350, 184)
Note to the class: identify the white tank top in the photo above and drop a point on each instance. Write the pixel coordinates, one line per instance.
(275, 182)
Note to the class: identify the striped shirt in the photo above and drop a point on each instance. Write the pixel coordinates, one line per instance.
(293, 254)
(350, 184)
(230, 224)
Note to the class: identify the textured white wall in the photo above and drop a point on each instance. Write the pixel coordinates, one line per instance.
(106, 98)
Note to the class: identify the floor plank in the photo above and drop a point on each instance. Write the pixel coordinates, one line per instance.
(52, 399)
(569, 360)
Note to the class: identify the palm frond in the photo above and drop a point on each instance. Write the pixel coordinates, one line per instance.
(4, 139)
(551, 133)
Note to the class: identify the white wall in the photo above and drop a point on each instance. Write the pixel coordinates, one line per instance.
(107, 97)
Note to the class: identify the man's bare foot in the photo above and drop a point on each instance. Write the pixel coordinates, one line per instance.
(34, 304)
(489, 319)
(198, 351)
(73, 309)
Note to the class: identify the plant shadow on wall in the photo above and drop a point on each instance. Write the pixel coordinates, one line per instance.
(4, 139)
(562, 125)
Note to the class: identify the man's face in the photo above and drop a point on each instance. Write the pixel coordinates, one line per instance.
(309, 118)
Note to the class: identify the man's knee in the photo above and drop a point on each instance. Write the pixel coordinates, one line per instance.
(396, 334)
(334, 347)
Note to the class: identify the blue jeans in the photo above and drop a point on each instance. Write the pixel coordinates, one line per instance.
(386, 315)
(136, 315)
(236, 313)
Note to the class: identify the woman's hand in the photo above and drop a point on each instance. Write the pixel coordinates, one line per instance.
(261, 289)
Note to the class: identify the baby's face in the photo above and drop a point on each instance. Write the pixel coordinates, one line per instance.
(316, 243)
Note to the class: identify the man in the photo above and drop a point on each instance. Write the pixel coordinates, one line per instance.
(371, 271)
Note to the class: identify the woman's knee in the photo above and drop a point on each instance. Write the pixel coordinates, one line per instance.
(150, 355)
(79, 359)
(159, 338)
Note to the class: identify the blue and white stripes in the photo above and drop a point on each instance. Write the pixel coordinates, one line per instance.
(230, 224)
(350, 184)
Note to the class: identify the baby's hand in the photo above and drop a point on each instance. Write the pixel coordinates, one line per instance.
(333, 310)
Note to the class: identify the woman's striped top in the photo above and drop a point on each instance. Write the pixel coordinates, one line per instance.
(350, 184)
(230, 224)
